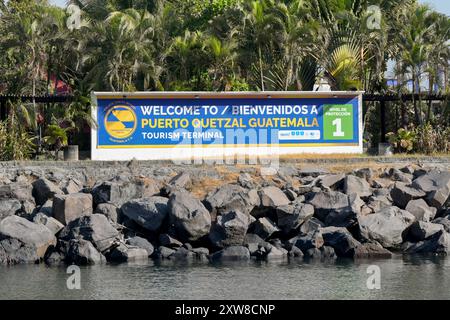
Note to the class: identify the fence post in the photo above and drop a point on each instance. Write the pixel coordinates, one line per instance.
(383, 121)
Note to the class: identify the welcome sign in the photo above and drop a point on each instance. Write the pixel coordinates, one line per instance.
(175, 125)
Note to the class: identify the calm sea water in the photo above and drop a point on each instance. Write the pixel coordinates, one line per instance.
(401, 278)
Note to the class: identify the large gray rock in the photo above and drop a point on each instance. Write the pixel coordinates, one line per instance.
(149, 213)
(181, 180)
(356, 185)
(331, 181)
(109, 210)
(119, 192)
(230, 229)
(386, 226)
(272, 197)
(51, 223)
(67, 208)
(82, 252)
(264, 227)
(437, 186)
(141, 243)
(44, 189)
(14, 251)
(326, 202)
(379, 202)
(290, 217)
(311, 225)
(233, 253)
(372, 250)
(94, 228)
(421, 230)
(433, 180)
(9, 207)
(231, 197)
(276, 253)
(189, 220)
(439, 243)
(420, 209)
(29, 233)
(72, 185)
(402, 194)
(21, 192)
(124, 253)
(341, 240)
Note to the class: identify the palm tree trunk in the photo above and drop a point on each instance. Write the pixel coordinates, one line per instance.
(260, 68)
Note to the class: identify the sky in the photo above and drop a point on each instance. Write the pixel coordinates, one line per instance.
(442, 6)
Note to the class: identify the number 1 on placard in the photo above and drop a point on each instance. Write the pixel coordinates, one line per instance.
(338, 123)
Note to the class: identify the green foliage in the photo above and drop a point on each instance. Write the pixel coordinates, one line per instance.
(56, 137)
(15, 144)
(224, 45)
(432, 139)
(403, 140)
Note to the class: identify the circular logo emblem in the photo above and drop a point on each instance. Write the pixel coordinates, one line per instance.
(120, 121)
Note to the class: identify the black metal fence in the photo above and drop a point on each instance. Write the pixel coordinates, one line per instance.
(382, 99)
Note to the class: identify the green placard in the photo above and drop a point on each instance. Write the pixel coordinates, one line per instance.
(338, 122)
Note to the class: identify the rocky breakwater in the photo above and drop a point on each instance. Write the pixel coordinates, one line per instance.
(295, 214)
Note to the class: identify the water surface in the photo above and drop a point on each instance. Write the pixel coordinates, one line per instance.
(401, 278)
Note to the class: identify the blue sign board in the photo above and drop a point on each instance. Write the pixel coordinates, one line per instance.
(138, 121)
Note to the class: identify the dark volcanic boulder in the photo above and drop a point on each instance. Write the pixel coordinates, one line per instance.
(326, 202)
(310, 241)
(233, 253)
(264, 227)
(341, 240)
(445, 221)
(331, 181)
(149, 213)
(401, 194)
(67, 208)
(292, 216)
(30, 234)
(82, 252)
(189, 220)
(386, 226)
(230, 229)
(44, 189)
(231, 197)
(421, 230)
(141, 243)
(166, 240)
(439, 243)
(94, 228)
